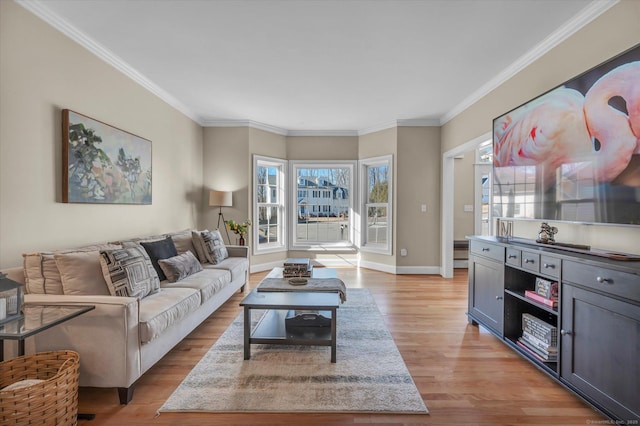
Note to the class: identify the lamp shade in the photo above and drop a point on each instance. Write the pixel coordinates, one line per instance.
(220, 198)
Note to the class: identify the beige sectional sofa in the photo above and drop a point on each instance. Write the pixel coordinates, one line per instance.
(123, 336)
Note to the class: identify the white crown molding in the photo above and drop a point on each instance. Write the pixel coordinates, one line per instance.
(588, 14)
(212, 122)
(407, 122)
(418, 122)
(39, 9)
(378, 128)
(333, 133)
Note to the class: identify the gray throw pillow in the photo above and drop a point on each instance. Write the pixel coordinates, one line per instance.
(180, 266)
(214, 248)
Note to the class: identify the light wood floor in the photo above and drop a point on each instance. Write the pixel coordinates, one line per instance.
(465, 375)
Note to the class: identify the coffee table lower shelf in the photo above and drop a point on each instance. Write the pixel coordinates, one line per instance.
(271, 330)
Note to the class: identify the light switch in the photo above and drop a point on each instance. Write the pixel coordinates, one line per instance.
(424, 208)
(468, 208)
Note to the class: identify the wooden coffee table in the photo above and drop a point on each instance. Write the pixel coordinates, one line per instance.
(271, 328)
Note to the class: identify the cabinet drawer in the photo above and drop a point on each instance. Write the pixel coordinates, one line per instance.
(531, 261)
(550, 265)
(489, 250)
(513, 256)
(617, 283)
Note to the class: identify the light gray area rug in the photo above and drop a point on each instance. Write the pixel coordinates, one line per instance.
(368, 377)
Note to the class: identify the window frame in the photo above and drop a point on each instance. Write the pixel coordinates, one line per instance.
(294, 166)
(364, 165)
(281, 205)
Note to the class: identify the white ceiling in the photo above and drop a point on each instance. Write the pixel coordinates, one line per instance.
(319, 65)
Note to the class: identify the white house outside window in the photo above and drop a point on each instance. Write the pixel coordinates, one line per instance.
(376, 194)
(322, 216)
(269, 204)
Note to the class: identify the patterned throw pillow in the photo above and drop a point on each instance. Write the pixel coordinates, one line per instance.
(180, 266)
(129, 272)
(214, 247)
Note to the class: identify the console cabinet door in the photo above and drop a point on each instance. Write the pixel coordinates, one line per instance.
(486, 292)
(600, 350)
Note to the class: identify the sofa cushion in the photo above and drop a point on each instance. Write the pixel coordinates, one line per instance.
(180, 266)
(208, 282)
(129, 272)
(33, 278)
(165, 308)
(81, 273)
(162, 249)
(214, 248)
(238, 267)
(51, 274)
(183, 241)
(198, 245)
(41, 272)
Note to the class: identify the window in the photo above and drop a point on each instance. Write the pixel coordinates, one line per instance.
(376, 177)
(321, 218)
(269, 204)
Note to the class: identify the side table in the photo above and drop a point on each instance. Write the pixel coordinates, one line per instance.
(34, 319)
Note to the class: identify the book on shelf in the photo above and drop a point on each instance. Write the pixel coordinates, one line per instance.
(539, 344)
(550, 302)
(547, 289)
(540, 329)
(534, 353)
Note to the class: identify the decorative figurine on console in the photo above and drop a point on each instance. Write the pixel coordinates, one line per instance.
(545, 236)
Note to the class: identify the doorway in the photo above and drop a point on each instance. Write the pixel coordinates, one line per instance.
(446, 221)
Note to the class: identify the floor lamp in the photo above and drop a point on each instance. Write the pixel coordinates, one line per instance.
(221, 199)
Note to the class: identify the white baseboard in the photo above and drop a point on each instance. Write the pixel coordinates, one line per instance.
(353, 262)
(461, 263)
(419, 270)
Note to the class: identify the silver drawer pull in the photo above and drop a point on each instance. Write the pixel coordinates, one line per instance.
(513, 256)
(529, 261)
(565, 332)
(485, 248)
(603, 280)
(549, 266)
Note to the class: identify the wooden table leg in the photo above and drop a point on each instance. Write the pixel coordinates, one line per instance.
(247, 333)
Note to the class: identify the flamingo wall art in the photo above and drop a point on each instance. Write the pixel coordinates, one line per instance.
(573, 153)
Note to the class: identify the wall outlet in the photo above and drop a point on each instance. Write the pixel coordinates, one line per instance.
(423, 208)
(403, 252)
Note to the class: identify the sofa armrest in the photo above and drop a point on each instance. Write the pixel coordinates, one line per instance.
(106, 338)
(238, 251)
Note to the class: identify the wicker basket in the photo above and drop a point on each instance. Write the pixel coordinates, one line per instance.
(54, 401)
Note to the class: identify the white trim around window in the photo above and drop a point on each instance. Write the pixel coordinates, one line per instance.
(269, 205)
(376, 204)
(322, 205)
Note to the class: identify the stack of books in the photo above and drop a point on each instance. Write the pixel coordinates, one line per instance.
(297, 268)
(539, 338)
(546, 292)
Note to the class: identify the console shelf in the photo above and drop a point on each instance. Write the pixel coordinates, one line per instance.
(598, 310)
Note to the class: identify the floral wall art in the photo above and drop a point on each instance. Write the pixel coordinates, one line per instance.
(103, 164)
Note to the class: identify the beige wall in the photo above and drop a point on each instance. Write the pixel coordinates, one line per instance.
(418, 184)
(227, 165)
(42, 72)
(610, 34)
(322, 148)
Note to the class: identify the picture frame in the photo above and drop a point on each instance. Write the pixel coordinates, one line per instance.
(103, 164)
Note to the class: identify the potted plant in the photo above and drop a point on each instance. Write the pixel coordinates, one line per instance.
(239, 229)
